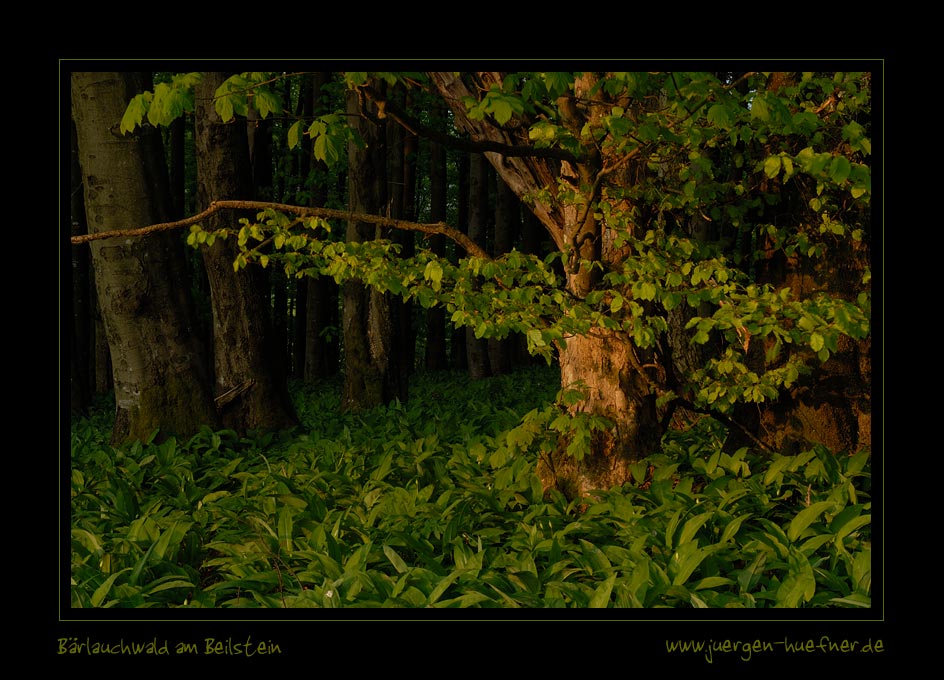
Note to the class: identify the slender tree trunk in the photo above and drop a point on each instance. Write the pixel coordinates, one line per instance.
(322, 322)
(458, 350)
(436, 359)
(250, 380)
(159, 372)
(507, 223)
(477, 348)
(371, 373)
(401, 313)
(407, 325)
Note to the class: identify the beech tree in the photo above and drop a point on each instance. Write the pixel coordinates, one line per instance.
(159, 373)
(711, 234)
(249, 378)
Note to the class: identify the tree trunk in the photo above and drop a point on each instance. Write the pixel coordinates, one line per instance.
(371, 376)
(159, 372)
(477, 348)
(458, 352)
(436, 359)
(399, 189)
(602, 363)
(607, 363)
(250, 378)
(80, 357)
(507, 223)
(322, 336)
(832, 407)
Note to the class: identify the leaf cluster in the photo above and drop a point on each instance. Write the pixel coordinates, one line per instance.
(435, 504)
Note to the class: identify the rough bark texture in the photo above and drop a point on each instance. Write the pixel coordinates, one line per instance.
(160, 376)
(606, 363)
(371, 374)
(80, 356)
(249, 371)
(833, 406)
(603, 364)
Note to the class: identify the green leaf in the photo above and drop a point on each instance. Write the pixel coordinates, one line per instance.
(442, 586)
(536, 338)
(805, 518)
(816, 342)
(294, 134)
(328, 149)
(395, 560)
(692, 526)
(433, 273)
(772, 166)
(286, 527)
(688, 562)
(731, 528)
(601, 596)
(102, 591)
(134, 114)
(719, 116)
(839, 169)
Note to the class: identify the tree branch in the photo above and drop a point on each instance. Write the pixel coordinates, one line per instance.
(471, 247)
(389, 108)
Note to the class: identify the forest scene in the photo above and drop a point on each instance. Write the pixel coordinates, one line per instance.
(469, 340)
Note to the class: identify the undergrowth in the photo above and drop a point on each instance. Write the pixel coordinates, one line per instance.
(434, 503)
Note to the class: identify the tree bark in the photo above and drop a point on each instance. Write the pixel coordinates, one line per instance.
(477, 348)
(398, 194)
(607, 363)
(322, 322)
(160, 375)
(249, 371)
(501, 352)
(371, 376)
(436, 358)
(80, 357)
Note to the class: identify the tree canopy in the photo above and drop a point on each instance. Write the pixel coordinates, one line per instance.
(769, 164)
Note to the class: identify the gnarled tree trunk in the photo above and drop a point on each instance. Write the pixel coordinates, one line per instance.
(606, 363)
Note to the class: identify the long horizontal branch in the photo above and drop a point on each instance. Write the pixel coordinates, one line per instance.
(470, 246)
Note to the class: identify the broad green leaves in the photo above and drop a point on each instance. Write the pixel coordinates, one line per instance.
(427, 505)
(161, 107)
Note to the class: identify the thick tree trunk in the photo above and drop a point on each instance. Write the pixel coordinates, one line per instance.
(80, 357)
(602, 363)
(606, 362)
(833, 406)
(159, 372)
(249, 371)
